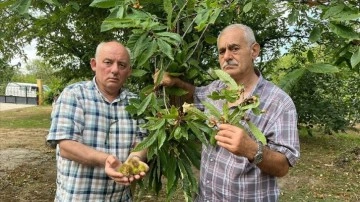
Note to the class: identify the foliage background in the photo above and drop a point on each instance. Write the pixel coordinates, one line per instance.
(309, 48)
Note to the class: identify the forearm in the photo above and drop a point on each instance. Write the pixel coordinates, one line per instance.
(81, 153)
(187, 87)
(142, 155)
(274, 163)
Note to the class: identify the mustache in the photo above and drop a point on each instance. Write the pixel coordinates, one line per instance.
(230, 62)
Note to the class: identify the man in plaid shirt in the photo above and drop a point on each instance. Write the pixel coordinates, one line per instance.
(239, 168)
(95, 133)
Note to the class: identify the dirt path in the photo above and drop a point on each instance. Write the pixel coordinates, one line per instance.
(27, 166)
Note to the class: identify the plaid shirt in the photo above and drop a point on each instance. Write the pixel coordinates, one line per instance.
(82, 114)
(228, 177)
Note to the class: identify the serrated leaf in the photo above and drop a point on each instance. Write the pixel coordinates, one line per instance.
(145, 103)
(333, 11)
(170, 173)
(165, 48)
(161, 139)
(177, 133)
(256, 132)
(212, 109)
(315, 34)
(142, 43)
(197, 113)
(290, 79)
(105, 3)
(168, 10)
(202, 126)
(192, 152)
(149, 140)
(197, 132)
(322, 68)
(310, 56)
(174, 36)
(247, 7)
(176, 91)
(215, 14)
(226, 78)
(355, 58)
(343, 31)
(148, 53)
(138, 72)
(158, 124)
(21, 6)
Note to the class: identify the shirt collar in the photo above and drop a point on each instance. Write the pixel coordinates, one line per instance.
(121, 96)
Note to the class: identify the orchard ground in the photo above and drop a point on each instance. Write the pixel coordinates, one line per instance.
(329, 169)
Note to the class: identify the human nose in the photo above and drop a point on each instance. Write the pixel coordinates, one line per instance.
(115, 69)
(227, 55)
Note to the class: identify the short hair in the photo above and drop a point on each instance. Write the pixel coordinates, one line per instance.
(248, 32)
(101, 44)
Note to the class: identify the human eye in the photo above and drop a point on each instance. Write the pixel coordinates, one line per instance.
(235, 49)
(107, 62)
(122, 65)
(221, 51)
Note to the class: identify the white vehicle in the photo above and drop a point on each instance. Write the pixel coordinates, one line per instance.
(23, 89)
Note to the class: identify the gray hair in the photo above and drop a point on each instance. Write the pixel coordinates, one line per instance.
(101, 44)
(248, 32)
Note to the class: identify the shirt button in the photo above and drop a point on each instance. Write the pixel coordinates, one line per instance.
(207, 181)
(211, 159)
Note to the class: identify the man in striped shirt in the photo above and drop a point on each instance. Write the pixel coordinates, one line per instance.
(94, 132)
(239, 168)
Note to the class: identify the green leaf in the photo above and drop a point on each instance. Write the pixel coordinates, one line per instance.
(21, 6)
(148, 53)
(322, 68)
(158, 124)
(105, 3)
(256, 132)
(174, 36)
(138, 72)
(355, 58)
(165, 48)
(343, 31)
(142, 43)
(197, 132)
(333, 11)
(178, 132)
(290, 79)
(310, 56)
(226, 78)
(192, 153)
(176, 91)
(197, 113)
(144, 104)
(170, 172)
(215, 14)
(247, 7)
(315, 34)
(161, 139)
(168, 10)
(212, 109)
(149, 140)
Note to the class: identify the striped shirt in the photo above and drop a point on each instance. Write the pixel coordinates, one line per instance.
(83, 114)
(228, 177)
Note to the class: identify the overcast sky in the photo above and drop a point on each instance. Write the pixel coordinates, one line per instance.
(30, 51)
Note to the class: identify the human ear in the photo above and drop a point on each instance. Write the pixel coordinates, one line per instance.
(93, 64)
(255, 50)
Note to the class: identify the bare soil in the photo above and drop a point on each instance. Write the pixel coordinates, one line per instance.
(328, 171)
(27, 166)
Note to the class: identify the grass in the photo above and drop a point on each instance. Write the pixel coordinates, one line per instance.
(329, 168)
(30, 117)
